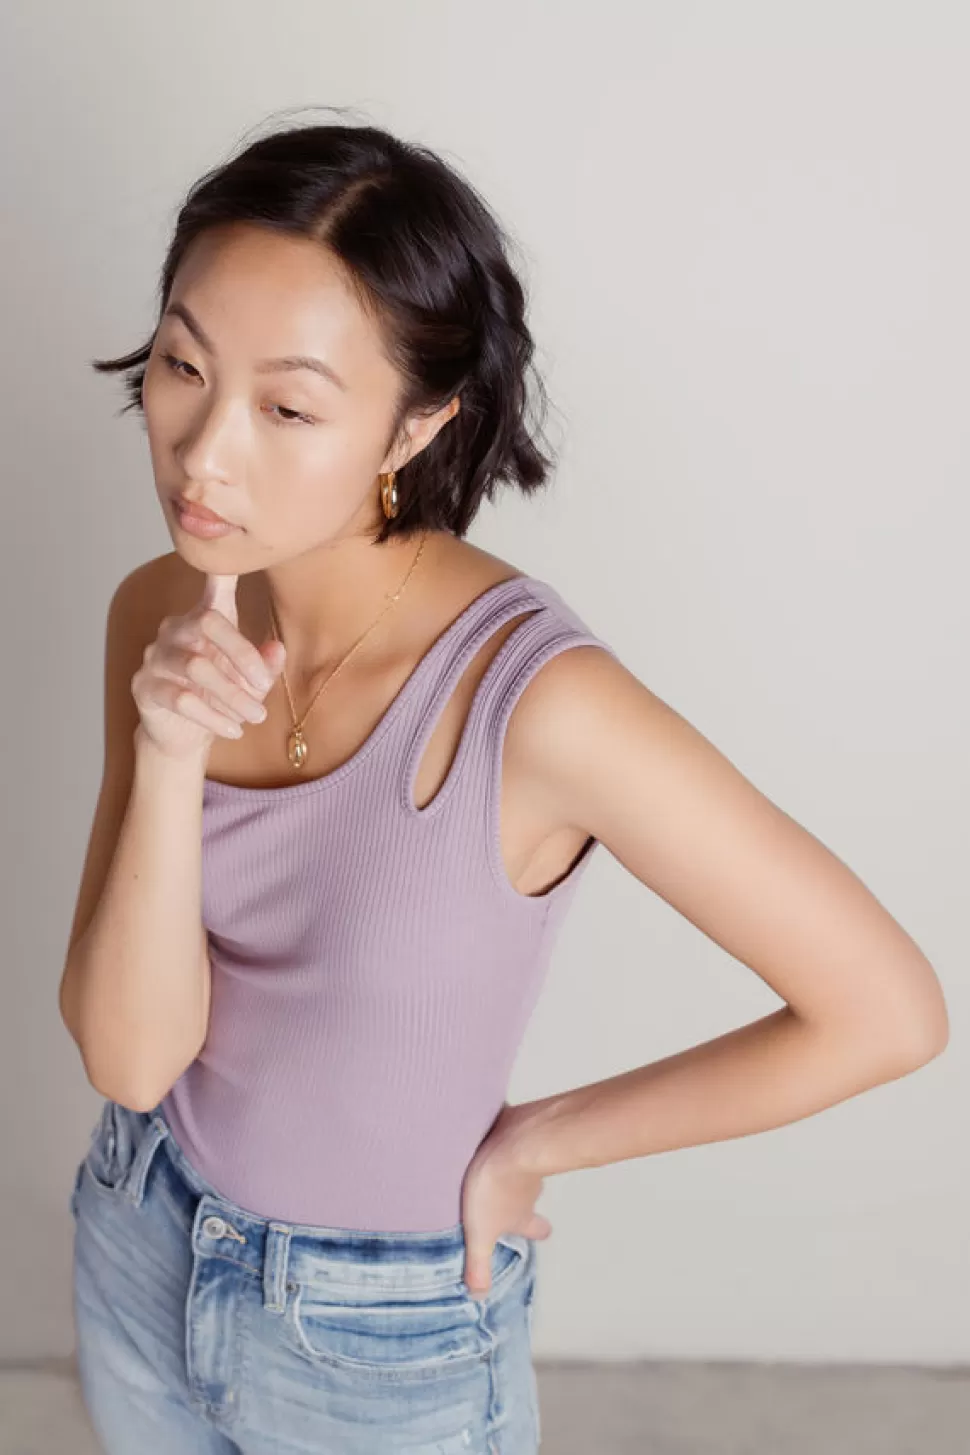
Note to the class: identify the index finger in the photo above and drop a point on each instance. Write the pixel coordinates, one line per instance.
(220, 593)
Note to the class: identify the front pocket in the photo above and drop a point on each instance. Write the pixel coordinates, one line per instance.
(411, 1338)
(408, 1340)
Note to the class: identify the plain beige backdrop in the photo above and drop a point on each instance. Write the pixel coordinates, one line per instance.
(745, 232)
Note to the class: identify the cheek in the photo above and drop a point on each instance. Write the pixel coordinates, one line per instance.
(160, 409)
(316, 495)
(331, 463)
(153, 384)
(305, 501)
(154, 429)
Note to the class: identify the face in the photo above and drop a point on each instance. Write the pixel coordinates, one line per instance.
(289, 455)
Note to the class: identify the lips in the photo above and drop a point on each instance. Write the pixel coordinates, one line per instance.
(200, 512)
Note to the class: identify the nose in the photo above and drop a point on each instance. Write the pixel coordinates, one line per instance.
(208, 443)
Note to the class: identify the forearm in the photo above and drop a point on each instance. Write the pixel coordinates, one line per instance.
(773, 1071)
(136, 985)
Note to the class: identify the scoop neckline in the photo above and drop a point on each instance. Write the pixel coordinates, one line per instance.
(217, 788)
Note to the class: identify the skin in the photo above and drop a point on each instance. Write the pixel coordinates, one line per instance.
(861, 1003)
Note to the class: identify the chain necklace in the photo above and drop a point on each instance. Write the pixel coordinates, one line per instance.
(296, 745)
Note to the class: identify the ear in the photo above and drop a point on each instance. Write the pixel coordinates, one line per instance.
(420, 430)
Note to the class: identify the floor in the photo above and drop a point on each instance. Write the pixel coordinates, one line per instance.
(634, 1409)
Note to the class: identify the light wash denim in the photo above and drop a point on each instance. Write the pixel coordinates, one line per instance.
(204, 1330)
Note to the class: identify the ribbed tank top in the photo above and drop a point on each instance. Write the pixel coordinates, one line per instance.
(373, 967)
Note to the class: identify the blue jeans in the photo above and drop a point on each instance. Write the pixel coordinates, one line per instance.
(202, 1329)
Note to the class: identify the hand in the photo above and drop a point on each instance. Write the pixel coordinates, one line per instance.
(499, 1193)
(201, 678)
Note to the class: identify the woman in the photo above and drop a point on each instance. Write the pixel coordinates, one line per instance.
(305, 950)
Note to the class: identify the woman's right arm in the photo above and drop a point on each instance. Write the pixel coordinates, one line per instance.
(135, 989)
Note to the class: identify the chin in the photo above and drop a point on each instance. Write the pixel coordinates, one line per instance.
(224, 555)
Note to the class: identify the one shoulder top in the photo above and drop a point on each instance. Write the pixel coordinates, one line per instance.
(373, 968)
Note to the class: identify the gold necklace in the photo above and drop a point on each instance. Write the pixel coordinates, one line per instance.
(296, 745)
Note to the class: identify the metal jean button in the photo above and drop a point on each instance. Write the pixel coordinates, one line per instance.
(214, 1227)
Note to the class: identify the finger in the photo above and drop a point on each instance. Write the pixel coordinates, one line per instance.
(188, 643)
(220, 592)
(237, 648)
(478, 1269)
(273, 654)
(184, 702)
(203, 672)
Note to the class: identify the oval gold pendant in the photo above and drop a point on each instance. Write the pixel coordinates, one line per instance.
(296, 748)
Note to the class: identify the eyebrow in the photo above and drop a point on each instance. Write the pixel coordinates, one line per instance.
(264, 366)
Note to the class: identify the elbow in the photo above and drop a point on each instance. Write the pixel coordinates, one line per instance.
(136, 1096)
(139, 1103)
(136, 1086)
(934, 1042)
(930, 1023)
(909, 1026)
(890, 1048)
(135, 1070)
(108, 1082)
(924, 1036)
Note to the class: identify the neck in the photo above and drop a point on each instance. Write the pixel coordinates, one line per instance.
(326, 599)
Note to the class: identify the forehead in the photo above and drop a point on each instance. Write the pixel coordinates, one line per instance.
(259, 294)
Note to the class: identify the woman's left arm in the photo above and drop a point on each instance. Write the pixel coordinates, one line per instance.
(863, 1005)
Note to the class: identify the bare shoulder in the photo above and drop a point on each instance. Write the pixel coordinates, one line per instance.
(616, 759)
(607, 754)
(150, 591)
(166, 585)
(160, 587)
(458, 571)
(578, 705)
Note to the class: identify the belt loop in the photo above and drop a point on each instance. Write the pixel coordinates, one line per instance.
(275, 1261)
(138, 1171)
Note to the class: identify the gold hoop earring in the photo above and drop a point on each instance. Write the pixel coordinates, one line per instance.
(390, 502)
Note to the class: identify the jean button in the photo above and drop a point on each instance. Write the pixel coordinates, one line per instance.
(214, 1227)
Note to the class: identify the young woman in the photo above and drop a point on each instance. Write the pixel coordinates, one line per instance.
(354, 770)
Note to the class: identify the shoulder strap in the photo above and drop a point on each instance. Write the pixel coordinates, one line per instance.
(550, 627)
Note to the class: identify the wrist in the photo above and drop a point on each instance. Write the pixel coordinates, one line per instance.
(529, 1135)
(152, 760)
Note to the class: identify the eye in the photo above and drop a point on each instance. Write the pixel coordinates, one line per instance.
(176, 365)
(293, 416)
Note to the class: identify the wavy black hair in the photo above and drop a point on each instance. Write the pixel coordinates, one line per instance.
(431, 263)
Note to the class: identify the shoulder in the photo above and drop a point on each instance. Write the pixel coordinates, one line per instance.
(571, 702)
(162, 586)
(586, 732)
(573, 678)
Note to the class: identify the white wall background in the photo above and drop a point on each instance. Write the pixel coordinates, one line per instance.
(746, 233)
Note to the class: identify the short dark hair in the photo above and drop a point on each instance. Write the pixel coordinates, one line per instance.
(431, 263)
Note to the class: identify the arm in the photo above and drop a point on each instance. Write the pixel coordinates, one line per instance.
(862, 1003)
(134, 993)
